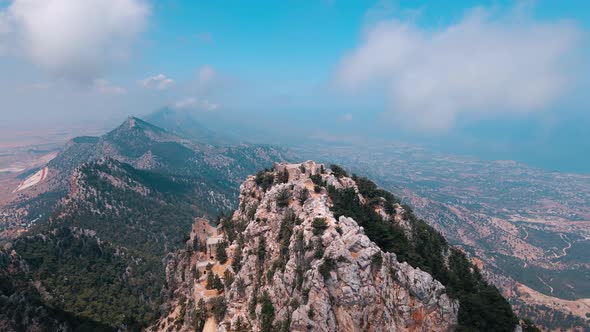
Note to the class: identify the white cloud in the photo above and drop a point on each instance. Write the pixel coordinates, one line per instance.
(197, 104)
(72, 38)
(105, 87)
(481, 64)
(185, 103)
(206, 75)
(160, 82)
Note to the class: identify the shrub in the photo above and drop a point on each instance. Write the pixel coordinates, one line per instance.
(252, 306)
(326, 267)
(214, 282)
(310, 312)
(317, 180)
(283, 198)
(528, 326)
(338, 171)
(210, 280)
(264, 179)
(261, 252)
(240, 286)
(218, 307)
(241, 326)
(282, 176)
(200, 316)
(270, 273)
(303, 196)
(376, 261)
(217, 284)
(228, 278)
(236, 263)
(221, 253)
(319, 249)
(319, 226)
(252, 212)
(284, 236)
(267, 314)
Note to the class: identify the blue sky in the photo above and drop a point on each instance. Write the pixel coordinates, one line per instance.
(296, 42)
(494, 79)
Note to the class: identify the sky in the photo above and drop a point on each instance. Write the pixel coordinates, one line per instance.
(492, 79)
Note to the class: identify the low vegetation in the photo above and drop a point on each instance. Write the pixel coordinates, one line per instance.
(482, 307)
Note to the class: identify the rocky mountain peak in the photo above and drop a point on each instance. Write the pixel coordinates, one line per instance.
(283, 261)
(131, 121)
(136, 125)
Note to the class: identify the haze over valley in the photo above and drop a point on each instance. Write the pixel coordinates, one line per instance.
(294, 166)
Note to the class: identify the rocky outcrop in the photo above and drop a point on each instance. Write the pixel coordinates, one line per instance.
(292, 266)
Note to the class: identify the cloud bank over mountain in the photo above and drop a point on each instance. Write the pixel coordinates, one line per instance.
(483, 63)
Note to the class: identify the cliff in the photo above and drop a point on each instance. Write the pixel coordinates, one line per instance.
(293, 264)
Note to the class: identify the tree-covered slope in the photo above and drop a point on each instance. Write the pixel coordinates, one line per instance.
(22, 307)
(100, 254)
(481, 306)
(216, 171)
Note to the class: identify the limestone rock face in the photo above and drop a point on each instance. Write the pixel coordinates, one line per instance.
(295, 267)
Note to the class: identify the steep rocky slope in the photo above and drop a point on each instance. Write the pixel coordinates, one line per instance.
(217, 171)
(290, 259)
(528, 227)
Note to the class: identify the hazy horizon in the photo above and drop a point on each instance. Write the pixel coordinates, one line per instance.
(325, 165)
(492, 79)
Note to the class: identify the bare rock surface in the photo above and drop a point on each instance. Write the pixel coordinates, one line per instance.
(292, 266)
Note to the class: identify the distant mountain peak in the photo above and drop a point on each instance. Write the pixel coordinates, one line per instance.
(131, 122)
(135, 129)
(184, 124)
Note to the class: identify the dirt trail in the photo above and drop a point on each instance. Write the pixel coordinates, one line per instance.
(526, 236)
(564, 249)
(210, 325)
(546, 284)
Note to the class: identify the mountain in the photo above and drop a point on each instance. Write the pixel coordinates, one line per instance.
(135, 142)
(312, 249)
(99, 255)
(217, 171)
(307, 248)
(94, 228)
(527, 227)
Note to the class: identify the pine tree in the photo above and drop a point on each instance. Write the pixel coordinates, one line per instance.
(221, 253)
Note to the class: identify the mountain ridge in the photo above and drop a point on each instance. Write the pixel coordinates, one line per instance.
(149, 147)
(290, 259)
